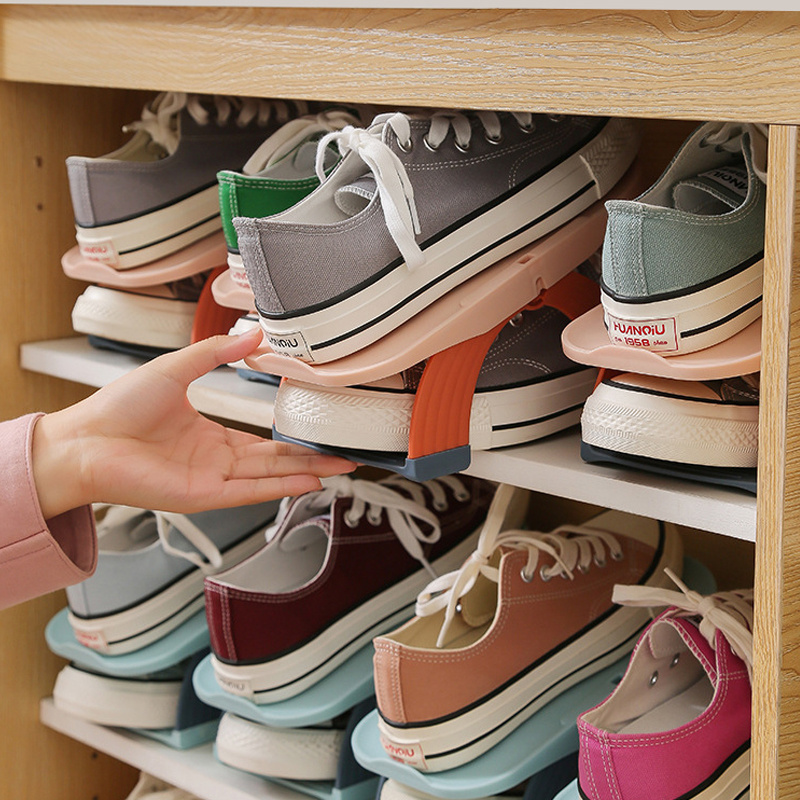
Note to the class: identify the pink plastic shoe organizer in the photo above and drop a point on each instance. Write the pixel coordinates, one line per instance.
(585, 340)
(230, 294)
(206, 254)
(454, 334)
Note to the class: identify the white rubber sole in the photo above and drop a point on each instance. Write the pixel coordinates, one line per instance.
(303, 754)
(544, 205)
(370, 419)
(690, 322)
(670, 429)
(732, 784)
(153, 619)
(236, 267)
(117, 701)
(293, 673)
(147, 238)
(134, 318)
(465, 736)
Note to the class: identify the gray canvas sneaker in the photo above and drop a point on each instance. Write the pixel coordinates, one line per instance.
(415, 207)
(526, 389)
(683, 262)
(158, 192)
(150, 571)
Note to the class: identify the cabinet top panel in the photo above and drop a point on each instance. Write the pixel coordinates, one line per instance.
(591, 5)
(707, 64)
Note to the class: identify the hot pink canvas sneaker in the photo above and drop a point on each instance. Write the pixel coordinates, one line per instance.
(678, 724)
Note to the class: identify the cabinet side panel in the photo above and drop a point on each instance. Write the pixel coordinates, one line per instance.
(41, 126)
(776, 711)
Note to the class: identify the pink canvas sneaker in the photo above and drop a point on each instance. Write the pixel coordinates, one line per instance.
(527, 616)
(340, 566)
(678, 724)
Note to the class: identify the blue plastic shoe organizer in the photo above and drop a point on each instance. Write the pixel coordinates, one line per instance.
(348, 687)
(542, 740)
(173, 648)
(196, 722)
(352, 782)
(344, 688)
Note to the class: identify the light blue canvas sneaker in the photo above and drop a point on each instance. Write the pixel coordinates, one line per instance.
(150, 570)
(683, 262)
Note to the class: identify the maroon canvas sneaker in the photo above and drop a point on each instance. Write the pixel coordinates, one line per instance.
(340, 566)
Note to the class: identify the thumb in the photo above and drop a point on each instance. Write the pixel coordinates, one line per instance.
(191, 362)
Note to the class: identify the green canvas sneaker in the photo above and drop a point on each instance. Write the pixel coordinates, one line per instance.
(278, 175)
(683, 262)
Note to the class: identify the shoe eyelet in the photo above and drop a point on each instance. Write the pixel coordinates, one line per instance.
(349, 521)
(374, 519)
(703, 142)
(617, 555)
(600, 562)
(432, 148)
(463, 497)
(525, 577)
(529, 128)
(583, 568)
(406, 147)
(675, 659)
(545, 575)
(495, 140)
(458, 608)
(463, 148)
(440, 505)
(555, 117)
(653, 678)
(516, 320)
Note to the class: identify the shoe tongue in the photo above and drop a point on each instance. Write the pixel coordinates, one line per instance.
(662, 639)
(353, 198)
(714, 192)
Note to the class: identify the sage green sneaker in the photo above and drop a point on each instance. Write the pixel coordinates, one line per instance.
(683, 262)
(278, 175)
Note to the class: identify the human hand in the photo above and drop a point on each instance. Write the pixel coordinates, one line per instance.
(139, 442)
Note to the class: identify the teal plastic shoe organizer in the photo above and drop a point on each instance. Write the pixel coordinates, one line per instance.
(569, 792)
(545, 738)
(173, 648)
(344, 688)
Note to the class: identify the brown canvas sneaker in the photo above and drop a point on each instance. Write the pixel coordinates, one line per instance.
(527, 616)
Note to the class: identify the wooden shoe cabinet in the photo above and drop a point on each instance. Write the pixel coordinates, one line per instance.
(72, 75)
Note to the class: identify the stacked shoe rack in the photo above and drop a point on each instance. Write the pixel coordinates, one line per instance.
(70, 79)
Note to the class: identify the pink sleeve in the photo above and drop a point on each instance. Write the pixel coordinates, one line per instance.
(36, 555)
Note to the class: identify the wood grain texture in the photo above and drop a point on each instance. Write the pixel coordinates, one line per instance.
(41, 126)
(776, 690)
(694, 65)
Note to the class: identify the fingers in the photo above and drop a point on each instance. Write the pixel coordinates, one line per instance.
(260, 462)
(262, 490)
(191, 362)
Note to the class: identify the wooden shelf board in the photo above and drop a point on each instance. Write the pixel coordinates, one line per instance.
(552, 466)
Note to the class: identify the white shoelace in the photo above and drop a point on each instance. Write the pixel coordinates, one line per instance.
(391, 178)
(730, 136)
(159, 118)
(728, 612)
(208, 558)
(372, 498)
(584, 547)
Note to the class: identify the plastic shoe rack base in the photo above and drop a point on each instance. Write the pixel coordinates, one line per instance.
(733, 477)
(344, 688)
(423, 468)
(540, 741)
(177, 645)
